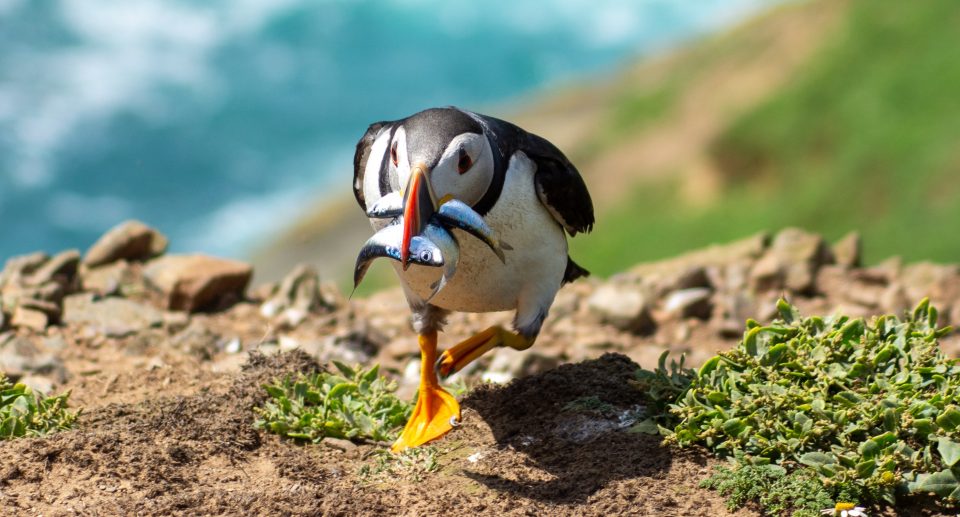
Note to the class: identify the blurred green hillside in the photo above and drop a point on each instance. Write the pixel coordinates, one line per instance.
(861, 133)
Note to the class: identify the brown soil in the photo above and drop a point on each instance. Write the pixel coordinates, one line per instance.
(519, 452)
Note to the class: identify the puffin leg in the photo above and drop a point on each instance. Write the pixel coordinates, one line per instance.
(454, 359)
(436, 411)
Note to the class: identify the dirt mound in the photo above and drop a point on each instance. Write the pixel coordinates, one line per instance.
(524, 448)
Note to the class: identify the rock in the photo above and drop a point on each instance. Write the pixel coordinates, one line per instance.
(791, 262)
(297, 295)
(61, 269)
(33, 319)
(114, 317)
(16, 268)
(511, 363)
(50, 309)
(20, 356)
(734, 310)
(233, 346)
(339, 444)
(953, 318)
(197, 339)
(496, 377)
(689, 303)
(939, 282)
(130, 240)
(198, 282)
(107, 279)
(357, 345)
(623, 307)
(848, 250)
(39, 383)
(175, 321)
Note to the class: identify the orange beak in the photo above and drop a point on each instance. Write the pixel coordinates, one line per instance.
(418, 206)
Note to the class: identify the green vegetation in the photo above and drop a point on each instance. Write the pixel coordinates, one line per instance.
(411, 464)
(863, 137)
(24, 412)
(798, 493)
(355, 404)
(870, 409)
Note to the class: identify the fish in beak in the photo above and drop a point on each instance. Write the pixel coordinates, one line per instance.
(418, 206)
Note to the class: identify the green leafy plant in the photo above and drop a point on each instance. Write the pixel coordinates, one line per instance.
(354, 404)
(663, 386)
(778, 492)
(872, 408)
(24, 412)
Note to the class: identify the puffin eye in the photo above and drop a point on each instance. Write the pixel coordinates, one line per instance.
(393, 154)
(464, 162)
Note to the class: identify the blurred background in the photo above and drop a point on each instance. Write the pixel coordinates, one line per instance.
(230, 125)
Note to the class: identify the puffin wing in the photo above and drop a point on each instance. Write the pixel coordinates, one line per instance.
(361, 156)
(559, 185)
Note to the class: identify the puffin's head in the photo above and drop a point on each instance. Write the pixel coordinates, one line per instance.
(440, 154)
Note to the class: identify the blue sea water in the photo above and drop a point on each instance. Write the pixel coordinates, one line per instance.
(220, 121)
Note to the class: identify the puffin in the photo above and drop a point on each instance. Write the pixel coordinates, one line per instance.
(524, 188)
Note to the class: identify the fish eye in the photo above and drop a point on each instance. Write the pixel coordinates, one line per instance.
(426, 256)
(464, 162)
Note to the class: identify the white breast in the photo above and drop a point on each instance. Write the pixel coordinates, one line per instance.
(534, 268)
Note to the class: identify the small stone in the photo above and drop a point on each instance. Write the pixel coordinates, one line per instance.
(39, 383)
(936, 281)
(62, 269)
(175, 321)
(623, 307)
(155, 363)
(107, 279)
(16, 268)
(689, 303)
(33, 319)
(848, 250)
(198, 282)
(496, 377)
(297, 295)
(339, 444)
(695, 276)
(233, 346)
(288, 343)
(357, 345)
(50, 309)
(130, 240)
(20, 356)
(954, 315)
(114, 317)
(791, 262)
(263, 292)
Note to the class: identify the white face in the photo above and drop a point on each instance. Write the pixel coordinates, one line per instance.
(465, 169)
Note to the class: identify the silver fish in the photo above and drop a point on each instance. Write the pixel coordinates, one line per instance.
(449, 248)
(386, 243)
(388, 206)
(457, 214)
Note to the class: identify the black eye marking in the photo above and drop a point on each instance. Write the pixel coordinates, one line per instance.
(464, 162)
(393, 154)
